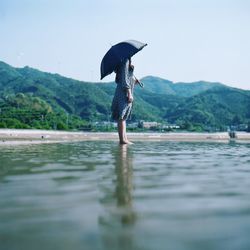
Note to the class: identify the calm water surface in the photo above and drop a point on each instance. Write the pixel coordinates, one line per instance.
(99, 195)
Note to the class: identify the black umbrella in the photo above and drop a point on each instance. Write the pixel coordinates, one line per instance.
(117, 54)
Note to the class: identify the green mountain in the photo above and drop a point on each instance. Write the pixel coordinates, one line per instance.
(65, 96)
(32, 98)
(216, 107)
(159, 85)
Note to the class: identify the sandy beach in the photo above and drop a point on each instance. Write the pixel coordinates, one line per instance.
(16, 136)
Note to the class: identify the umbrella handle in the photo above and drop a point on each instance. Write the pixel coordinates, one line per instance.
(140, 83)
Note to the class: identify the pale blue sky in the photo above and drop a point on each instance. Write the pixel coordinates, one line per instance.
(188, 40)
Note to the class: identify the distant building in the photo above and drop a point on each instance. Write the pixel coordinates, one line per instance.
(132, 125)
(170, 126)
(148, 125)
(242, 127)
(239, 127)
(104, 124)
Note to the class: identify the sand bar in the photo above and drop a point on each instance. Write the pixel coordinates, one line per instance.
(17, 136)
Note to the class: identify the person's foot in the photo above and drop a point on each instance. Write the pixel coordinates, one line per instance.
(123, 142)
(126, 142)
(129, 142)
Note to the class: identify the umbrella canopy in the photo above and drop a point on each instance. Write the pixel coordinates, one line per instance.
(117, 54)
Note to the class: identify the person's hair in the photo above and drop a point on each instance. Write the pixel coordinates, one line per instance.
(119, 65)
(130, 66)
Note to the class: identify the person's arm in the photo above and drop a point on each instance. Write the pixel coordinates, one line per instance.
(125, 76)
(130, 96)
(126, 81)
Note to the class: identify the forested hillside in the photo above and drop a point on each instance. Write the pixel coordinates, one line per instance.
(30, 98)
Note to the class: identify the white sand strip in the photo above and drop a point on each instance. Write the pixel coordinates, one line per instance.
(11, 135)
(242, 136)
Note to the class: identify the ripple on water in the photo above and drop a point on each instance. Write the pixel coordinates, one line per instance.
(185, 195)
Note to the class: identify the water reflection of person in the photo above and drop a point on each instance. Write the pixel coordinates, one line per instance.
(124, 185)
(120, 217)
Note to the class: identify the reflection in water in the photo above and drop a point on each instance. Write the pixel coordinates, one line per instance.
(124, 185)
(118, 203)
(81, 195)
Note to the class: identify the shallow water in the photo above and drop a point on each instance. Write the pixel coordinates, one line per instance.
(99, 195)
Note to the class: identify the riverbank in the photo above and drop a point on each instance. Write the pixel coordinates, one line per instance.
(16, 136)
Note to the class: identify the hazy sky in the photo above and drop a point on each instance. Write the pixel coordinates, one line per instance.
(188, 40)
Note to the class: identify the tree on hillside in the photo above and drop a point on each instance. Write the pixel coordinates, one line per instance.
(236, 120)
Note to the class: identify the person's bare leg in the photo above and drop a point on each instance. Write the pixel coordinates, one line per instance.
(122, 131)
(125, 134)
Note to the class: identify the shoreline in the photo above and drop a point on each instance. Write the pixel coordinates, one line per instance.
(27, 136)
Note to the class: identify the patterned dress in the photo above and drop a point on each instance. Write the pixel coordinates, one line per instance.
(121, 109)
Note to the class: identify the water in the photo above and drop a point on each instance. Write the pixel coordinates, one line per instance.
(99, 195)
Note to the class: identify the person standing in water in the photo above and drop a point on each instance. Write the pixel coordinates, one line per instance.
(123, 99)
